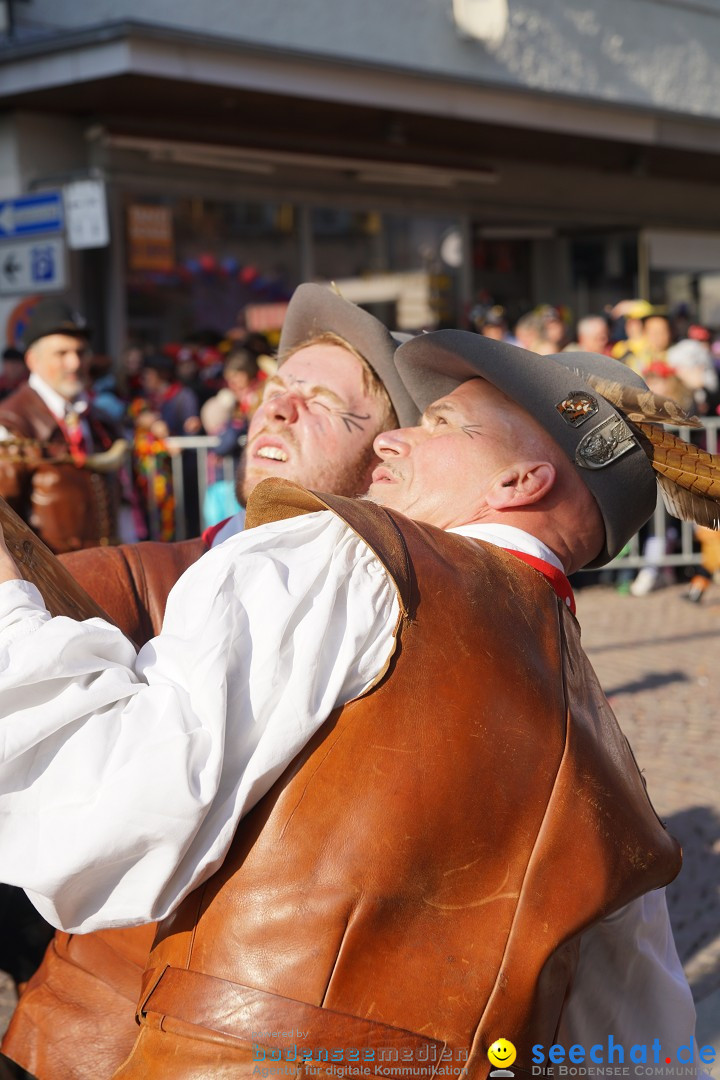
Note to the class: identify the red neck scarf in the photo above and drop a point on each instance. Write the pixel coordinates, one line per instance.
(556, 577)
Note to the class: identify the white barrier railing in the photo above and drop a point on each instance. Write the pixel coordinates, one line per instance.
(685, 551)
(200, 445)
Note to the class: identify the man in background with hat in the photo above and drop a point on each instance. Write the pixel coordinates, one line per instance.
(336, 389)
(50, 431)
(447, 836)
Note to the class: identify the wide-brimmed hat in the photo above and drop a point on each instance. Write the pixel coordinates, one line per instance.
(316, 309)
(553, 390)
(52, 316)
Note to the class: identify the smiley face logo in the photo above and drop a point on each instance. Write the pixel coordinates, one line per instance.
(502, 1053)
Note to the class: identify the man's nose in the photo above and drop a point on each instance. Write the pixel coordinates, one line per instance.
(392, 444)
(73, 361)
(284, 407)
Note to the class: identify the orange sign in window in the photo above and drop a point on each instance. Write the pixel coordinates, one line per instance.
(150, 238)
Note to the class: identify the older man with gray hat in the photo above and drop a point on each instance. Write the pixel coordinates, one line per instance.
(365, 776)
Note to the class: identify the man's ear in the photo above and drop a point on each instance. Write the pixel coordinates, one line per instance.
(30, 357)
(523, 484)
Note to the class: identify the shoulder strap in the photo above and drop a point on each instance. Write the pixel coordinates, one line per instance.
(275, 499)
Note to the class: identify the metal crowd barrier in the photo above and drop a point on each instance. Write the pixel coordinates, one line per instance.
(685, 548)
(199, 445)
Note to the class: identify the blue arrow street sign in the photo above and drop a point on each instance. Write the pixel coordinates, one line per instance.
(31, 215)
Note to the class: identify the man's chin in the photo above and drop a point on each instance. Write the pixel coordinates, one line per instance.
(332, 477)
(384, 495)
(70, 391)
(256, 476)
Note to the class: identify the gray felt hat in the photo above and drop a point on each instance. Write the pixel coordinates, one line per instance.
(553, 390)
(316, 309)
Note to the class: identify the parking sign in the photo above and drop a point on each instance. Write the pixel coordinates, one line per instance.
(32, 266)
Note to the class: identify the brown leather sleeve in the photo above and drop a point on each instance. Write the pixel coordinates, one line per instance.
(13, 480)
(132, 581)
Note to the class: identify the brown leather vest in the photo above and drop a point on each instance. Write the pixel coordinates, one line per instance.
(417, 880)
(76, 1017)
(70, 508)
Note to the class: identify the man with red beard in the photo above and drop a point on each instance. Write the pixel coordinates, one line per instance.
(335, 390)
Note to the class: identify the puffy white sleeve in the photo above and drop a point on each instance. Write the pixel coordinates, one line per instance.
(123, 776)
(630, 984)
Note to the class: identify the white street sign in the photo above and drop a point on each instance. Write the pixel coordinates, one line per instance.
(86, 216)
(32, 266)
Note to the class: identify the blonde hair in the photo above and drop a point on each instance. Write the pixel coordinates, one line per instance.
(373, 386)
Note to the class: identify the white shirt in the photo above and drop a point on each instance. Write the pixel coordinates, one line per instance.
(123, 777)
(231, 527)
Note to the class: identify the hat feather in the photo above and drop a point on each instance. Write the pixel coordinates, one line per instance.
(689, 478)
(639, 404)
(688, 505)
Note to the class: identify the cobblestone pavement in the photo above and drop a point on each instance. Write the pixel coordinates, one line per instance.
(658, 660)
(7, 1000)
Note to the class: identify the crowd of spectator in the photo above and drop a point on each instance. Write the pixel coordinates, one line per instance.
(211, 385)
(677, 358)
(194, 388)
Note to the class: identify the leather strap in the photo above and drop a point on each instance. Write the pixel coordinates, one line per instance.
(287, 1029)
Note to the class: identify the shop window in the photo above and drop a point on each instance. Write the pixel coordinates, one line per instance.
(391, 264)
(198, 264)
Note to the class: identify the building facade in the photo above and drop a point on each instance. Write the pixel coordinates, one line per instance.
(423, 154)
